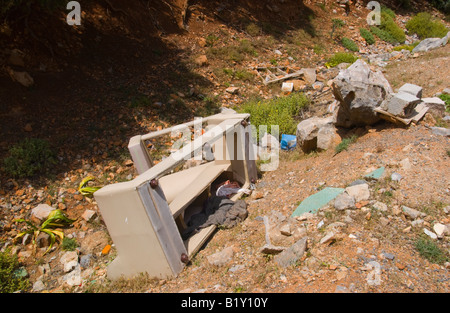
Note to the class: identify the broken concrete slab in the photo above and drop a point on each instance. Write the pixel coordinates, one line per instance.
(316, 201)
(411, 89)
(436, 105)
(309, 135)
(416, 115)
(441, 131)
(401, 104)
(291, 255)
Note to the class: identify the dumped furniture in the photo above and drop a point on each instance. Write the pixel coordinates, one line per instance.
(146, 216)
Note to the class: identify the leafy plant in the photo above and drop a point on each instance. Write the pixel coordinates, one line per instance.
(9, 281)
(446, 97)
(56, 219)
(69, 244)
(367, 35)
(341, 57)
(425, 26)
(29, 157)
(86, 190)
(345, 143)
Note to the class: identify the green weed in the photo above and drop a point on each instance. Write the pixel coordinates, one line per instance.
(9, 280)
(430, 250)
(345, 143)
(29, 157)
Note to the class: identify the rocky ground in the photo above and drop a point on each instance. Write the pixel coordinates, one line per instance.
(369, 245)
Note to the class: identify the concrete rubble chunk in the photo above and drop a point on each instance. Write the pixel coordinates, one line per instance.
(412, 89)
(344, 201)
(310, 135)
(310, 75)
(435, 104)
(441, 131)
(412, 213)
(402, 104)
(359, 192)
(359, 91)
(292, 254)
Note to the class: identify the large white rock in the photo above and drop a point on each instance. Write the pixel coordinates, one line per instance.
(359, 91)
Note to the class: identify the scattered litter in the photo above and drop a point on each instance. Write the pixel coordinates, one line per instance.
(313, 203)
(376, 174)
(229, 188)
(276, 74)
(288, 142)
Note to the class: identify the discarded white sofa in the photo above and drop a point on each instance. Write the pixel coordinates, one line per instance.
(146, 216)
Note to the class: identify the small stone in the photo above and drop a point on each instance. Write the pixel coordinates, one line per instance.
(396, 177)
(328, 238)
(201, 60)
(412, 213)
(344, 201)
(291, 255)
(89, 215)
(41, 211)
(440, 229)
(232, 90)
(430, 233)
(359, 192)
(222, 257)
(38, 286)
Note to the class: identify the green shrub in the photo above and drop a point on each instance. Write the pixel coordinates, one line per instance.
(430, 250)
(345, 143)
(406, 47)
(280, 111)
(341, 57)
(349, 44)
(9, 280)
(367, 35)
(388, 24)
(382, 34)
(29, 157)
(425, 26)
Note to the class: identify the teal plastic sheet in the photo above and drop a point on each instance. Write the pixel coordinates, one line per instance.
(313, 203)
